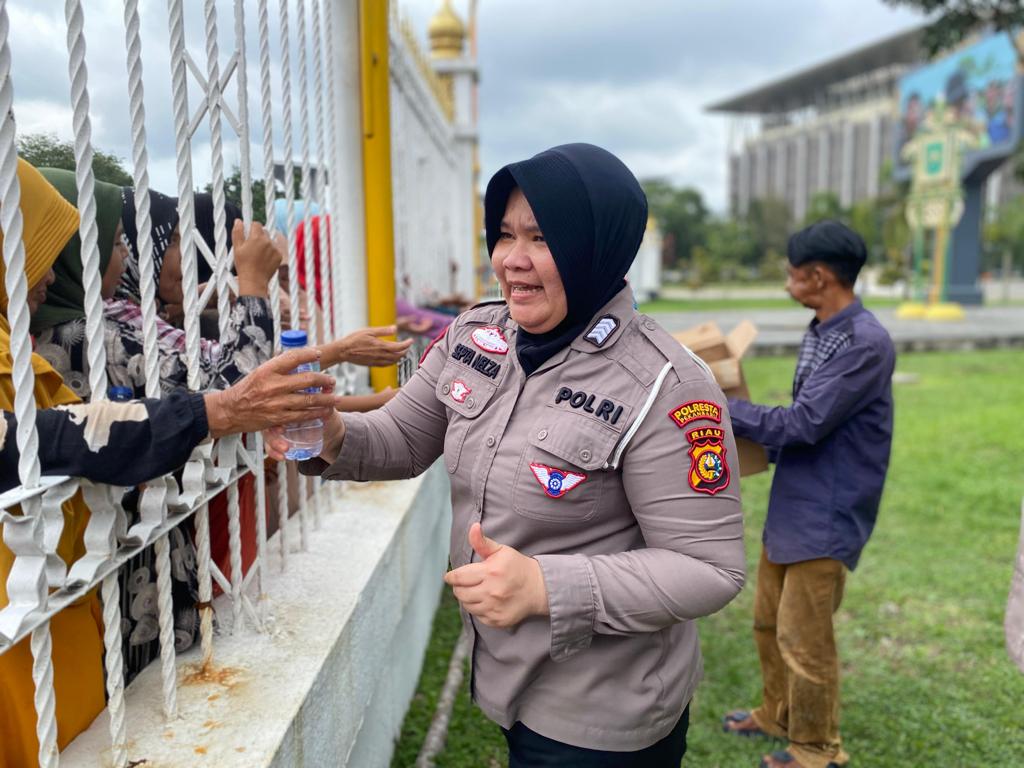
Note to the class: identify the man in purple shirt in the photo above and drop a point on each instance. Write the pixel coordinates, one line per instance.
(831, 452)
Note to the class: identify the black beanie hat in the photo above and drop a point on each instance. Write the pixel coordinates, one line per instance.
(833, 244)
(593, 214)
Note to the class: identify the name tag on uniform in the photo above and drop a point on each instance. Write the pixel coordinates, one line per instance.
(478, 361)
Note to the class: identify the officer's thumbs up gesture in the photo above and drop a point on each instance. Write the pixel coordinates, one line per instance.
(503, 588)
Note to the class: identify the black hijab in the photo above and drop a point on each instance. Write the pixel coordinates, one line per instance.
(163, 214)
(204, 223)
(593, 214)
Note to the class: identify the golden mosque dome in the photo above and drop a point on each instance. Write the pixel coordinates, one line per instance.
(446, 32)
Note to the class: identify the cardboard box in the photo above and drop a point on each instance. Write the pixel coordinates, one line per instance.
(723, 354)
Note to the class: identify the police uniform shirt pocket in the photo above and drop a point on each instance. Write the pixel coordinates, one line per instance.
(562, 468)
(466, 393)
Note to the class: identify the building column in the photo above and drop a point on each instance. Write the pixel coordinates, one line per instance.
(846, 177)
(377, 190)
(459, 72)
(761, 181)
(800, 185)
(463, 73)
(875, 157)
(781, 168)
(824, 160)
(744, 181)
(345, 181)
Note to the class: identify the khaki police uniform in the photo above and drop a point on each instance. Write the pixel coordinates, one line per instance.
(614, 466)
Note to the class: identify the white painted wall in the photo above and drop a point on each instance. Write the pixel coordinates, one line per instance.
(432, 178)
(330, 682)
(645, 274)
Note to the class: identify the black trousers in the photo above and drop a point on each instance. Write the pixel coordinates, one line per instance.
(528, 749)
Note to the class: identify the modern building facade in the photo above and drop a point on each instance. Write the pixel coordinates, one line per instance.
(830, 127)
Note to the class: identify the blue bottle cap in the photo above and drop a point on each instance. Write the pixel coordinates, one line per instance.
(291, 339)
(120, 394)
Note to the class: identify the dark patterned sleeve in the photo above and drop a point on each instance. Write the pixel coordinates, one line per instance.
(116, 443)
(63, 347)
(247, 343)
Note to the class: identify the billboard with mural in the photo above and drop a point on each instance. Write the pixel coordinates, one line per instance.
(974, 87)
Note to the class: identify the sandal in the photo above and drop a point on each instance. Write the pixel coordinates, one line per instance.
(782, 757)
(742, 716)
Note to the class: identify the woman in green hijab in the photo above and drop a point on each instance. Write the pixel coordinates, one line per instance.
(58, 323)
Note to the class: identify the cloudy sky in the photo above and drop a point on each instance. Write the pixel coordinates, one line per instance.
(633, 76)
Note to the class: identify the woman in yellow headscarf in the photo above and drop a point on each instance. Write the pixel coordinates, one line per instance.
(77, 631)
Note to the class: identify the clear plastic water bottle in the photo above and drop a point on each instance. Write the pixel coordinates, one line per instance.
(120, 394)
(305, 438)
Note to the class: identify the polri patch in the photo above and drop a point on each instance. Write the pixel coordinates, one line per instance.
(490, 339)
(556, 482)
(460, 390)
(606, 409)
(602, 330)
(695, 410)
(709, 470)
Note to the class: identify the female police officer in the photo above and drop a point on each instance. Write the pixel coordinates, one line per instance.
(599, 458)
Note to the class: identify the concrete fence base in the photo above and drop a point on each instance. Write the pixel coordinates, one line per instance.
(330, 681)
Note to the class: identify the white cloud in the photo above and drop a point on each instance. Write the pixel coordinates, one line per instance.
(35, 116)
(633, 77)
(638, 75)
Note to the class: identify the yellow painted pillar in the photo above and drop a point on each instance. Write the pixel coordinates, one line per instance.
(380, 237)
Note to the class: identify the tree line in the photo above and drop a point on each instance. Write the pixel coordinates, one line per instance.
(702, 247)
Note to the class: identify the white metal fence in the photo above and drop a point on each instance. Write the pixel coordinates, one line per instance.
(426, 169)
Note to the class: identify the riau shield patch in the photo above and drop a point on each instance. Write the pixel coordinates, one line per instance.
(709, 470)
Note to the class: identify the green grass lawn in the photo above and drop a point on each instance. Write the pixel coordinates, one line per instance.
(926, 679)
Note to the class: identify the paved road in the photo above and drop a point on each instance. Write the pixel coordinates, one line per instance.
(782, 329)
(995, 291)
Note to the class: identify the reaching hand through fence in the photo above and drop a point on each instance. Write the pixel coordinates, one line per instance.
(125, 343)
(369, 347)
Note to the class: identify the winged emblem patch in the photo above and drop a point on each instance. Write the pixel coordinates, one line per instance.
(556, 482)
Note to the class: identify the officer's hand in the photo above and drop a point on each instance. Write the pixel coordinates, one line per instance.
(275, 445)
(502, 589)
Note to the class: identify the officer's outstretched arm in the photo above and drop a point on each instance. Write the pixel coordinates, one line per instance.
(400, 440)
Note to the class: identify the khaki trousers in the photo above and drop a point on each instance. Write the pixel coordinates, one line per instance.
(793, 609)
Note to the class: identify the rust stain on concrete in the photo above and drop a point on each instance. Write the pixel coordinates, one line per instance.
(228, 677)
